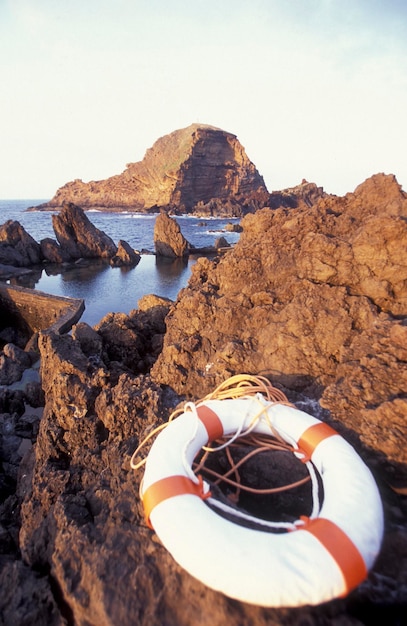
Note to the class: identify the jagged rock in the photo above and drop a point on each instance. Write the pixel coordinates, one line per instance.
(233, 228)
(315, 278)
(125, 255)
(302, 195)
(168, 239)
(297, 309)
(91, 342)
(134, 340)
(151, 300)
(11, 401)
(189, 166)
(17, 247)
(21, 604)
(51, 251)
(221, 242)
(13, 362)
(34, 394)
(11, 334)
(78, 237)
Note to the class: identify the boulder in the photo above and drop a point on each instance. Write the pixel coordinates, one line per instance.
(13, 362)
(233, 228)
(51, 251)
(125, 256)
(168, 239)
(78, 237)
(17, 247)
(221, 242)
(150, 301)
(90, 341)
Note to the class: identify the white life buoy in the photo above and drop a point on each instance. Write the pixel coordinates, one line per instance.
(322, 558)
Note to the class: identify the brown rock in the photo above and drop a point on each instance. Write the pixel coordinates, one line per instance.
(125, 255)
(91, 342)
(78, 237)
(151, 300)
(51, 251)
(188, 166)
(312, 306)
(168, 239)
(17, 247)
(289, 301)
(13, 362)
(221, 242)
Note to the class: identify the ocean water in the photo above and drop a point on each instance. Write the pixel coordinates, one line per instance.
(103, 288)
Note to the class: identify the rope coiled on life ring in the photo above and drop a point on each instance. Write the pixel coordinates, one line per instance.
(319, 558)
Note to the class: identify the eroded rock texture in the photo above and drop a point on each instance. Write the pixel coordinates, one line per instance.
(168, 239)
(17, 247)
(189, 166)
(314, 298)
(78, 237)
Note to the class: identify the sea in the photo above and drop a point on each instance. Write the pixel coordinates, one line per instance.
(105, 289)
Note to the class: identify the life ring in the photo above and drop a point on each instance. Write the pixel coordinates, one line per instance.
(323, 558)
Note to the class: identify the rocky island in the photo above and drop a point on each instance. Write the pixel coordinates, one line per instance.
(199, 170)
(314, 297)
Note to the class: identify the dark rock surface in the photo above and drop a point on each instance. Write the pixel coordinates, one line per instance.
(313, 297)
(78, 237)
(125, 255)
(51, 251)
(17, 247)
(13, 362)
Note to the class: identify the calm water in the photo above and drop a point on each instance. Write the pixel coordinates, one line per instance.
(106, 289)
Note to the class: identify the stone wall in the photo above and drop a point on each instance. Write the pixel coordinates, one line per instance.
(37, 310)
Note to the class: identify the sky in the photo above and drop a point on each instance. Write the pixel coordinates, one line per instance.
(313, 89)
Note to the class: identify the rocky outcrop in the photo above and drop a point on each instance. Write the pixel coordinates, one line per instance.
(313, 297)
(52, 252)
(168, 239)
(302, 195)
(13, 362)
(17, 247)
(289, 296)
(78, 237)
(188, 167)
(125, 255)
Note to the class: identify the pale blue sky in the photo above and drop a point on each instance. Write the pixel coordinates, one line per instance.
(313, 89)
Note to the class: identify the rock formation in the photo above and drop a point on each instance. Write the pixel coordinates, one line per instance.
(313, 297)
(78, 237)
(51, 251)
(168, 239)
(125, 255)
(187, 167)
(17, 247)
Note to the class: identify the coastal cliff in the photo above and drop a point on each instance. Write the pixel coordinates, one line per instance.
(184, 171)
(313, 297)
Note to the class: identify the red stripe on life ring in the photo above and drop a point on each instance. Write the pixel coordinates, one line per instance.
(169, 487)
(341, 548)
(211, 421)
(312, 437)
